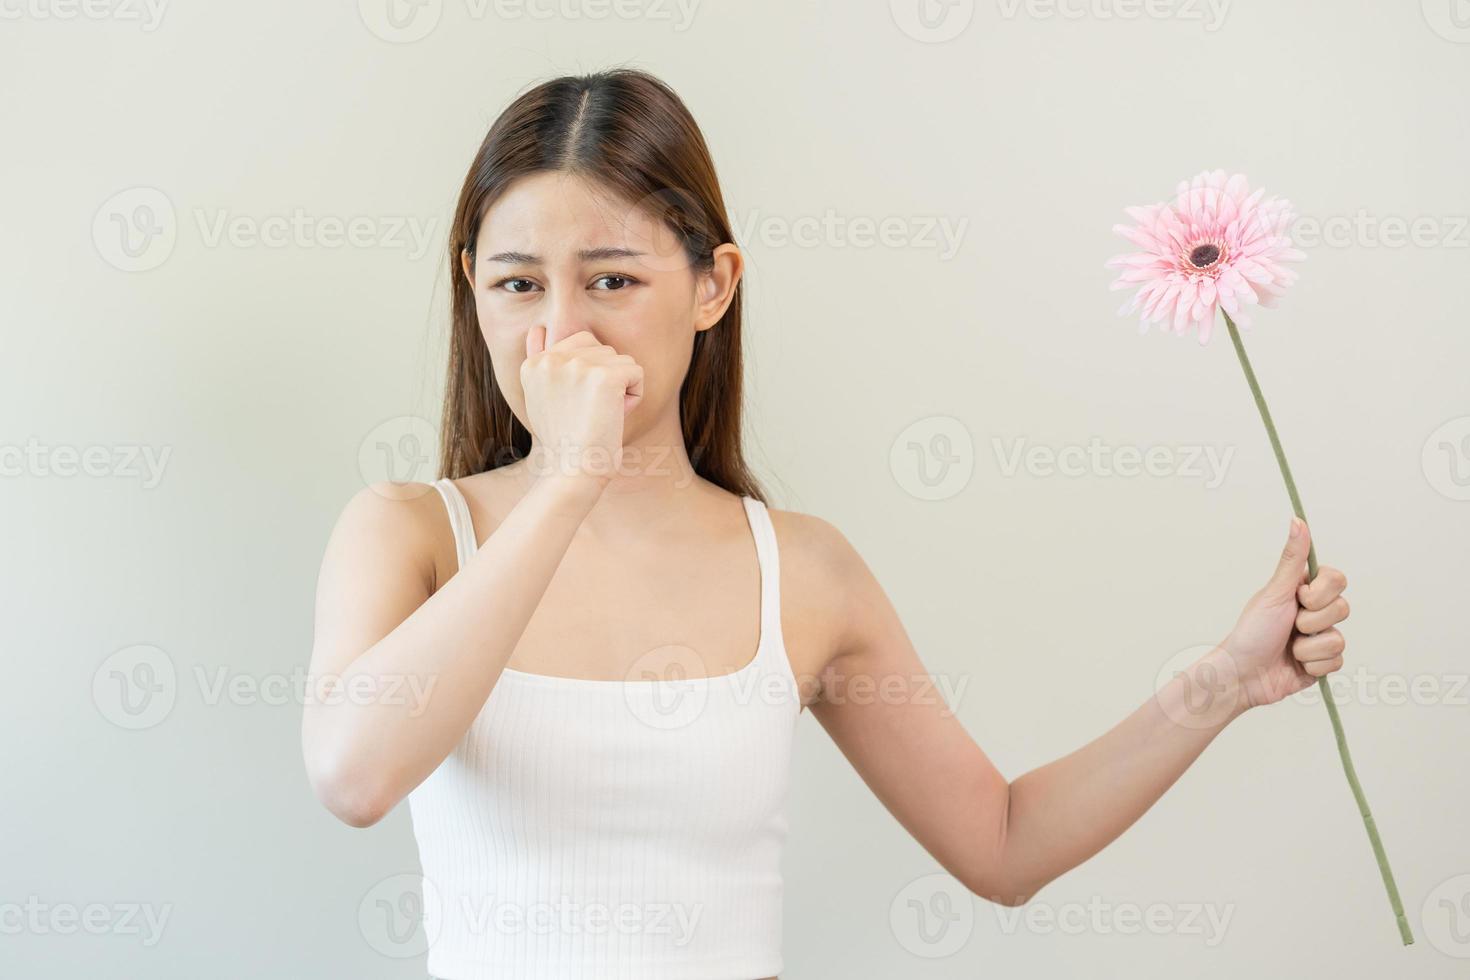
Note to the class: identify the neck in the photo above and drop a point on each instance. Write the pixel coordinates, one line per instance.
(653, 478)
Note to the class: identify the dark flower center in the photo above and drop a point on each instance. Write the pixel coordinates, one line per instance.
(1203, 255)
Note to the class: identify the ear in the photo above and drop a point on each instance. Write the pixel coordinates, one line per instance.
(467, 264)
(716, 288)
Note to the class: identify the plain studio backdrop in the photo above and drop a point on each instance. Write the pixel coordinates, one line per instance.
(223, 243)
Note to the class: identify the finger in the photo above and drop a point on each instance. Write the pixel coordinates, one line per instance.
(1319, 646)
(1322, 590)
(1289, 569)
(579, 340)
(630, 373)
(1315, 621)
(535, 340)
(633, 394)
(1321, 668)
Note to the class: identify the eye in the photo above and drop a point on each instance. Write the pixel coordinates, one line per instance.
(515, 279)
(624, 281)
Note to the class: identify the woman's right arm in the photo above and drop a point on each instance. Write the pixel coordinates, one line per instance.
(398, 670)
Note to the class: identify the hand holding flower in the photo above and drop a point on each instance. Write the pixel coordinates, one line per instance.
(1287, 636)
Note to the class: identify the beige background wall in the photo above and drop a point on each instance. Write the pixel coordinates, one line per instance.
(258, 360)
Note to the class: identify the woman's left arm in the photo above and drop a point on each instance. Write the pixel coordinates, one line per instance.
(1006, 840)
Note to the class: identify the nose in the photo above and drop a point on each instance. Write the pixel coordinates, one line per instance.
(565, 315)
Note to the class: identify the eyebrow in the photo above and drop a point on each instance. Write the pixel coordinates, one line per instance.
(585, 255)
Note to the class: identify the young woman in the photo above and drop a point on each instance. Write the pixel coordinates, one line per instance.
(613, 636)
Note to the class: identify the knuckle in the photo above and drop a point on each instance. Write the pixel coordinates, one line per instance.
(1320, 668)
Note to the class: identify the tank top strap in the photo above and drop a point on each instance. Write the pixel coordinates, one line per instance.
(460, 521)
(769, 558)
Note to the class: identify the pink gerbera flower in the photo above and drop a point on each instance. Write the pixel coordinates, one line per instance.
(1217, 245)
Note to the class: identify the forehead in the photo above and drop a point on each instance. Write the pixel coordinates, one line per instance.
(550, 213)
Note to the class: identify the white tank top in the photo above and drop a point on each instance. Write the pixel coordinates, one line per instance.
(605, 828)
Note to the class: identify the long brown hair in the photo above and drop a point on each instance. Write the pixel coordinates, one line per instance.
(629, 132)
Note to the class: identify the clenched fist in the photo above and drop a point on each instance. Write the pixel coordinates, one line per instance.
(1287, 635)
(578, 392)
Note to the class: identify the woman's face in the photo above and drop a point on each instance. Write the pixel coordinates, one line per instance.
(558, 252)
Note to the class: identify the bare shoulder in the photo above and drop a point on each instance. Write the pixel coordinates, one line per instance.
(380, 564)
(404, 524)
(393, 509)
(824, 583)
(813, 547)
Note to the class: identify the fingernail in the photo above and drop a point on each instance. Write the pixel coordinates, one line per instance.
(1296, 527)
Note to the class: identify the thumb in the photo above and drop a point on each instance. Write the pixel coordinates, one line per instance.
(1288, 573)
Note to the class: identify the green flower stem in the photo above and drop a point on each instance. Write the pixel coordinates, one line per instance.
(1322, 685)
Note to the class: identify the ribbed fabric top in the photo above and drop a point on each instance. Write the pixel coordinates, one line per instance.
(614, 829)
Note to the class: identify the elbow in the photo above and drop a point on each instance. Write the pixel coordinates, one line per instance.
(1009, 894)
(993, 878)
(348, 794)
(1012, 900)
(356, 812)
